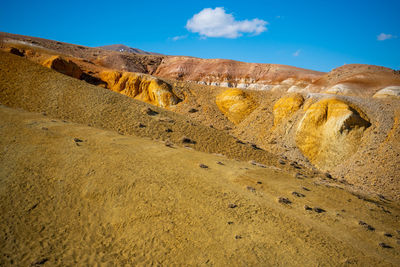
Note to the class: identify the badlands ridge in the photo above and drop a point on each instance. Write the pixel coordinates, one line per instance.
(117, 155)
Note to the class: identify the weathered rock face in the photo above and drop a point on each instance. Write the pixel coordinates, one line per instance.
(230, 73)
(330, 131)
(142, 87)
(390, 91)
(235, 104)
(63, 66)
(286, 106)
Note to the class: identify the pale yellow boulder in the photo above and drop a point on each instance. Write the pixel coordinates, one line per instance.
(286, 106)
(235, 104)
(330, 132)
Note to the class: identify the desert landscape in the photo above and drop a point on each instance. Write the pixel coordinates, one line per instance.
(117, 156)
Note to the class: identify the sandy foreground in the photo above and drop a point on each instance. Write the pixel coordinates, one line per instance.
(77, 195)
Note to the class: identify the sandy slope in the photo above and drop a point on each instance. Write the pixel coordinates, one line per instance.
(119, 199)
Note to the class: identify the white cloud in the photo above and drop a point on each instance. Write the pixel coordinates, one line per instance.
(384, 36)
(297, 53)
(176, 38)
(217, 23)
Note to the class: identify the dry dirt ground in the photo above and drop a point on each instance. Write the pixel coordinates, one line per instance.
(72, 194)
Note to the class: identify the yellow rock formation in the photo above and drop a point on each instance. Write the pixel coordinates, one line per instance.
(63, 66)
(142, 87)
(286, 106)
(330, 131)
(235, 104)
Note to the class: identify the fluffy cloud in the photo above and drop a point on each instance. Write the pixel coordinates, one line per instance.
(384, 36)
(217, 23)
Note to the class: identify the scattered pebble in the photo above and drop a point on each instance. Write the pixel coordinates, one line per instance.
(220, 163)
(298, 176)
(187, 140)
(168, 130)
(232, 206)
(193, 110)
(255, 147)
(252, 162)
(250, 188)
(230, 223)
(319, 210)
(150, 112)
(297, 194)
(238, 237)
(307, 207)
(306, 189)
(45, 129)
(284, 200)
(388, 234)
(259, 182)
(141, 125)
(282, 162)
(384, 245)
(366, 226)
(203, 166)
(77, 140)
(168, 143)
(328, 175)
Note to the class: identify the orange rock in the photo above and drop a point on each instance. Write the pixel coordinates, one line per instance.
(235, 104)
(140, 86)
(286, 106)
(330, 131)
(63, 66)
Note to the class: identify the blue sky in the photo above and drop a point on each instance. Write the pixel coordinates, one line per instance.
(318, 35)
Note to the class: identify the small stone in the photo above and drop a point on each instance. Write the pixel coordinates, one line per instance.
(259, 182)
(169, 143)
(284, 200)
(45, 129)
(168, 130)
(319, 210)
(77, 140)
(187, 140)
(297, 194)
(250, 188)
(230, 223)
(141, 125)
(328, 175)
(366, 226)
(384, 245)
(193, 110)
(232, 206)
(306, 189)
(238, 237)
(203, 166)
(307, 207)
(388, 234)
(298, 176)
(220, 163)
(282, 162)
(150, 112)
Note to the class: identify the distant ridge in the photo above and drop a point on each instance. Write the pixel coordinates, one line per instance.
(124, 48)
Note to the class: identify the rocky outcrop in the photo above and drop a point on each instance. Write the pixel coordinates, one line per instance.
(330, 131)
(140, 86)
(63, 66)
(390, 91)
(286, 106)
(235, 74)
(235, 104)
